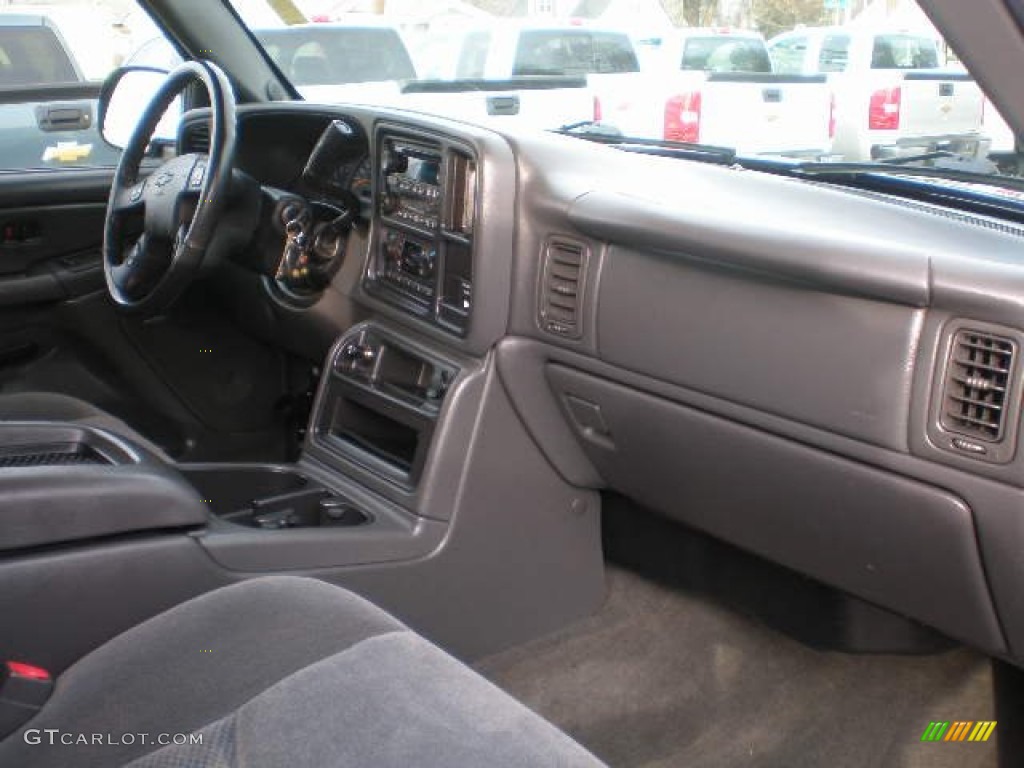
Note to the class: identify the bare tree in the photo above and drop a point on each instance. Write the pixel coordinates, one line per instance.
(498, 7)
(774, 16)
(692, 13)
(288, 11)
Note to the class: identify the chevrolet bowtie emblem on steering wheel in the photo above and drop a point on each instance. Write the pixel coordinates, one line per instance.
(163, 179)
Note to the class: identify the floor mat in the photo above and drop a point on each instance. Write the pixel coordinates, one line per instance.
(665, 678)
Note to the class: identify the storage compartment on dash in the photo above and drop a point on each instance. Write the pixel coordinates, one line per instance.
(271, 498)
(380, 404)
(374, 433)
(385, 437)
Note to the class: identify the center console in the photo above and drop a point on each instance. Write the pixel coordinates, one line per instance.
(65, 483)
(426, 210)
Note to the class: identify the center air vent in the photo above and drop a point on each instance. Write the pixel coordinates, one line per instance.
(561, 303)
(975, 402)
(197, 138)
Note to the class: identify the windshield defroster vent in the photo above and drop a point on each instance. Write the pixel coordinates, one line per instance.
(562, 287)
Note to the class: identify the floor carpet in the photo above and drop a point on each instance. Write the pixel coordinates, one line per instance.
(663, 677)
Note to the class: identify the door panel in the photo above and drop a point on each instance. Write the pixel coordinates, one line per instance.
(192, 381)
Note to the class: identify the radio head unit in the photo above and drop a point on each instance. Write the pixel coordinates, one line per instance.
(423, 235)
(412, 183)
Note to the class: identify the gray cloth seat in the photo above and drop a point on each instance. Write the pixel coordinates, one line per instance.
(50, 406)
(284, 671)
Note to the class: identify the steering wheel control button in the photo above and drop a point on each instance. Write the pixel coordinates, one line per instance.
(137, 192)
(198, 175)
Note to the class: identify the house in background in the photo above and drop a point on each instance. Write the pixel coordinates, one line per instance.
(626, 15)
(405, 9)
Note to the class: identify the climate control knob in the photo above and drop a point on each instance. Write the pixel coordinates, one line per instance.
(358, 353)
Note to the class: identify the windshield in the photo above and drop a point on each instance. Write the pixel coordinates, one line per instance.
(852, 82)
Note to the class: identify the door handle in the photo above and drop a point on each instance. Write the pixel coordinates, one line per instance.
(20, 232)
(63, 117)
(502, 105)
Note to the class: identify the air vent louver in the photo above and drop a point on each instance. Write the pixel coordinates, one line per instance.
(562, 290)
(978, 377)
(197, 138)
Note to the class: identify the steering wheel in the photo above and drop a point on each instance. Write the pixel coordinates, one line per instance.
(158, 229)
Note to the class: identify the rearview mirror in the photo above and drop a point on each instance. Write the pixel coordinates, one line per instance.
(126, 94)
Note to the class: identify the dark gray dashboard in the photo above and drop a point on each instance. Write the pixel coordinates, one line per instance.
(796, 368)
(769, 360)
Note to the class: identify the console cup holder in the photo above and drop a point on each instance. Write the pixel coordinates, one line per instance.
(272, 498)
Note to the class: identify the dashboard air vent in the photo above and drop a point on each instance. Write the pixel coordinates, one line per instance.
(197, 138)
(565, 264)
(975, 402)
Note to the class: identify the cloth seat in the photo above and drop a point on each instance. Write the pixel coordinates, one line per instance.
(283, 671)
(50, 406)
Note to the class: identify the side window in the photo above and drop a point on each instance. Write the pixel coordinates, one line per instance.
(788, 55)
(53, 59)
(34, 55)
(835, 54)
(473, 58)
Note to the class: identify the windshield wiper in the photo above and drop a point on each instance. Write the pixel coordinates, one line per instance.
(591, 130)
(586, 129)
(853, 170)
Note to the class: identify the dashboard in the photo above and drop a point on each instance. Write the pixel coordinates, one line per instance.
(736, 350)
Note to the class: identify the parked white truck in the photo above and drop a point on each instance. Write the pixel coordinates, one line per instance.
(539, 77)
(894, 96)
(717, 86)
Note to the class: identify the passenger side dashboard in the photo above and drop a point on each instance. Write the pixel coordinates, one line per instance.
(829, 379)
